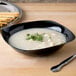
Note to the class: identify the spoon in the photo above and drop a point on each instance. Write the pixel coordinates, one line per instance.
(58, 67)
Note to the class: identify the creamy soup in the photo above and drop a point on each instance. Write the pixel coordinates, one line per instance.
(36, 38)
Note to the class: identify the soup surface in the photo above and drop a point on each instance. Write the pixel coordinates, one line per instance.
(36, 38)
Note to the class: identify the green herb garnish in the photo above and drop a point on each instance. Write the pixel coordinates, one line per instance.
(35, 37)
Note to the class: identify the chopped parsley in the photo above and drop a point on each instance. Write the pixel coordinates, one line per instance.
(35, 37)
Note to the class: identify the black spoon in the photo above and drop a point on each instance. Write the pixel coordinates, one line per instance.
(63, 63)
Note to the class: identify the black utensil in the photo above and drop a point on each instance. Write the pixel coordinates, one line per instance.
(62, 64)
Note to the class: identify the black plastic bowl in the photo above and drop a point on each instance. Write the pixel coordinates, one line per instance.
(10, 30)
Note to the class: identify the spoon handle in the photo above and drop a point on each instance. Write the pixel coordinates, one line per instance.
(63, 63)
